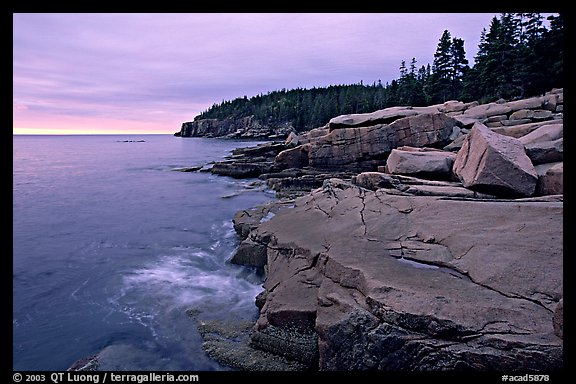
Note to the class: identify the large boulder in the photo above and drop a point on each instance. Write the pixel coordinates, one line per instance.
(466, 121)
(313, 134)
(546, 132)
(529, 103)
(518, 131)
(492, 163)
(484, 111)
(293, 158)
(367, 280)
(542, 152)
(452, 106)
(550, 179)
(533, 114)
(418, 161)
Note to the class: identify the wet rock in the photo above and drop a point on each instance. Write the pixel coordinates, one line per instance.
(86, 364)
(241, 170)
(188, 169)
(229, 344)
(246, 220)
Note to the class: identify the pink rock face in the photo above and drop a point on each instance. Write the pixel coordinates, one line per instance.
(414, 161)
(360, 279)
(345, 146)
(493, 163)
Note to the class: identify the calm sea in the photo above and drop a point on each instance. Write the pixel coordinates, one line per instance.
(111, 246)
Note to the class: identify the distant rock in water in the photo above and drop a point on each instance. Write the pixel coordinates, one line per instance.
(130, 141)
(187, 169)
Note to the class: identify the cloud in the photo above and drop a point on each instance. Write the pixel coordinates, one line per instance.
(164, 67)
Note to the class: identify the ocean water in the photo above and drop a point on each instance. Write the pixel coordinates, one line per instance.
(111, 246)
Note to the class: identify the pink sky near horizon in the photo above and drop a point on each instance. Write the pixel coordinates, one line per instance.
(148, 73)
(114, 122)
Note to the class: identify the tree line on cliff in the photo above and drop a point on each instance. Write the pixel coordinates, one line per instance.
(517, 57)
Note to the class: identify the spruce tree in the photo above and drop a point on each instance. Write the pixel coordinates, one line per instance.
(441, 68)
(459, 64)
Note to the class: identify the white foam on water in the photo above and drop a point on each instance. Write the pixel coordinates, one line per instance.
(189, 277)
(180, 282)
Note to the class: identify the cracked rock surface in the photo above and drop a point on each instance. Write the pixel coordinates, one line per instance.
(362, 279)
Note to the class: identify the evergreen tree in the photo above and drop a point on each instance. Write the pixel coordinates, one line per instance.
(441, 68)
(553, 42)
(458, 64)
(450, 63)
(529, 68)
(494, 61)
(413, 67)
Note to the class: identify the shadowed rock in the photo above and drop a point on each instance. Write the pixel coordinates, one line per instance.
(542, 152)
(550, 179)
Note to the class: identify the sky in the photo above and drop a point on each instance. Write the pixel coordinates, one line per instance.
(148, 73)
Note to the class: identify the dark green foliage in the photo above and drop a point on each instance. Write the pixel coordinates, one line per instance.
(304, 108)
(517, 57)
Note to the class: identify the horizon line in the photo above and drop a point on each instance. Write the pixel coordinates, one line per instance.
(88, 134)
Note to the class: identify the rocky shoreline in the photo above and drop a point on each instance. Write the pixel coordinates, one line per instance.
(407, 239)
(412, 239)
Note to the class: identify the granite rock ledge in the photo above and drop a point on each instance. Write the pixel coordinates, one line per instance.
(361, 279)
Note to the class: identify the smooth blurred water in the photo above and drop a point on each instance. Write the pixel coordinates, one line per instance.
(111, 246)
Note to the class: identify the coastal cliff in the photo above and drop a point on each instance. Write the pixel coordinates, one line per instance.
(241, 128)
(413, 239)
